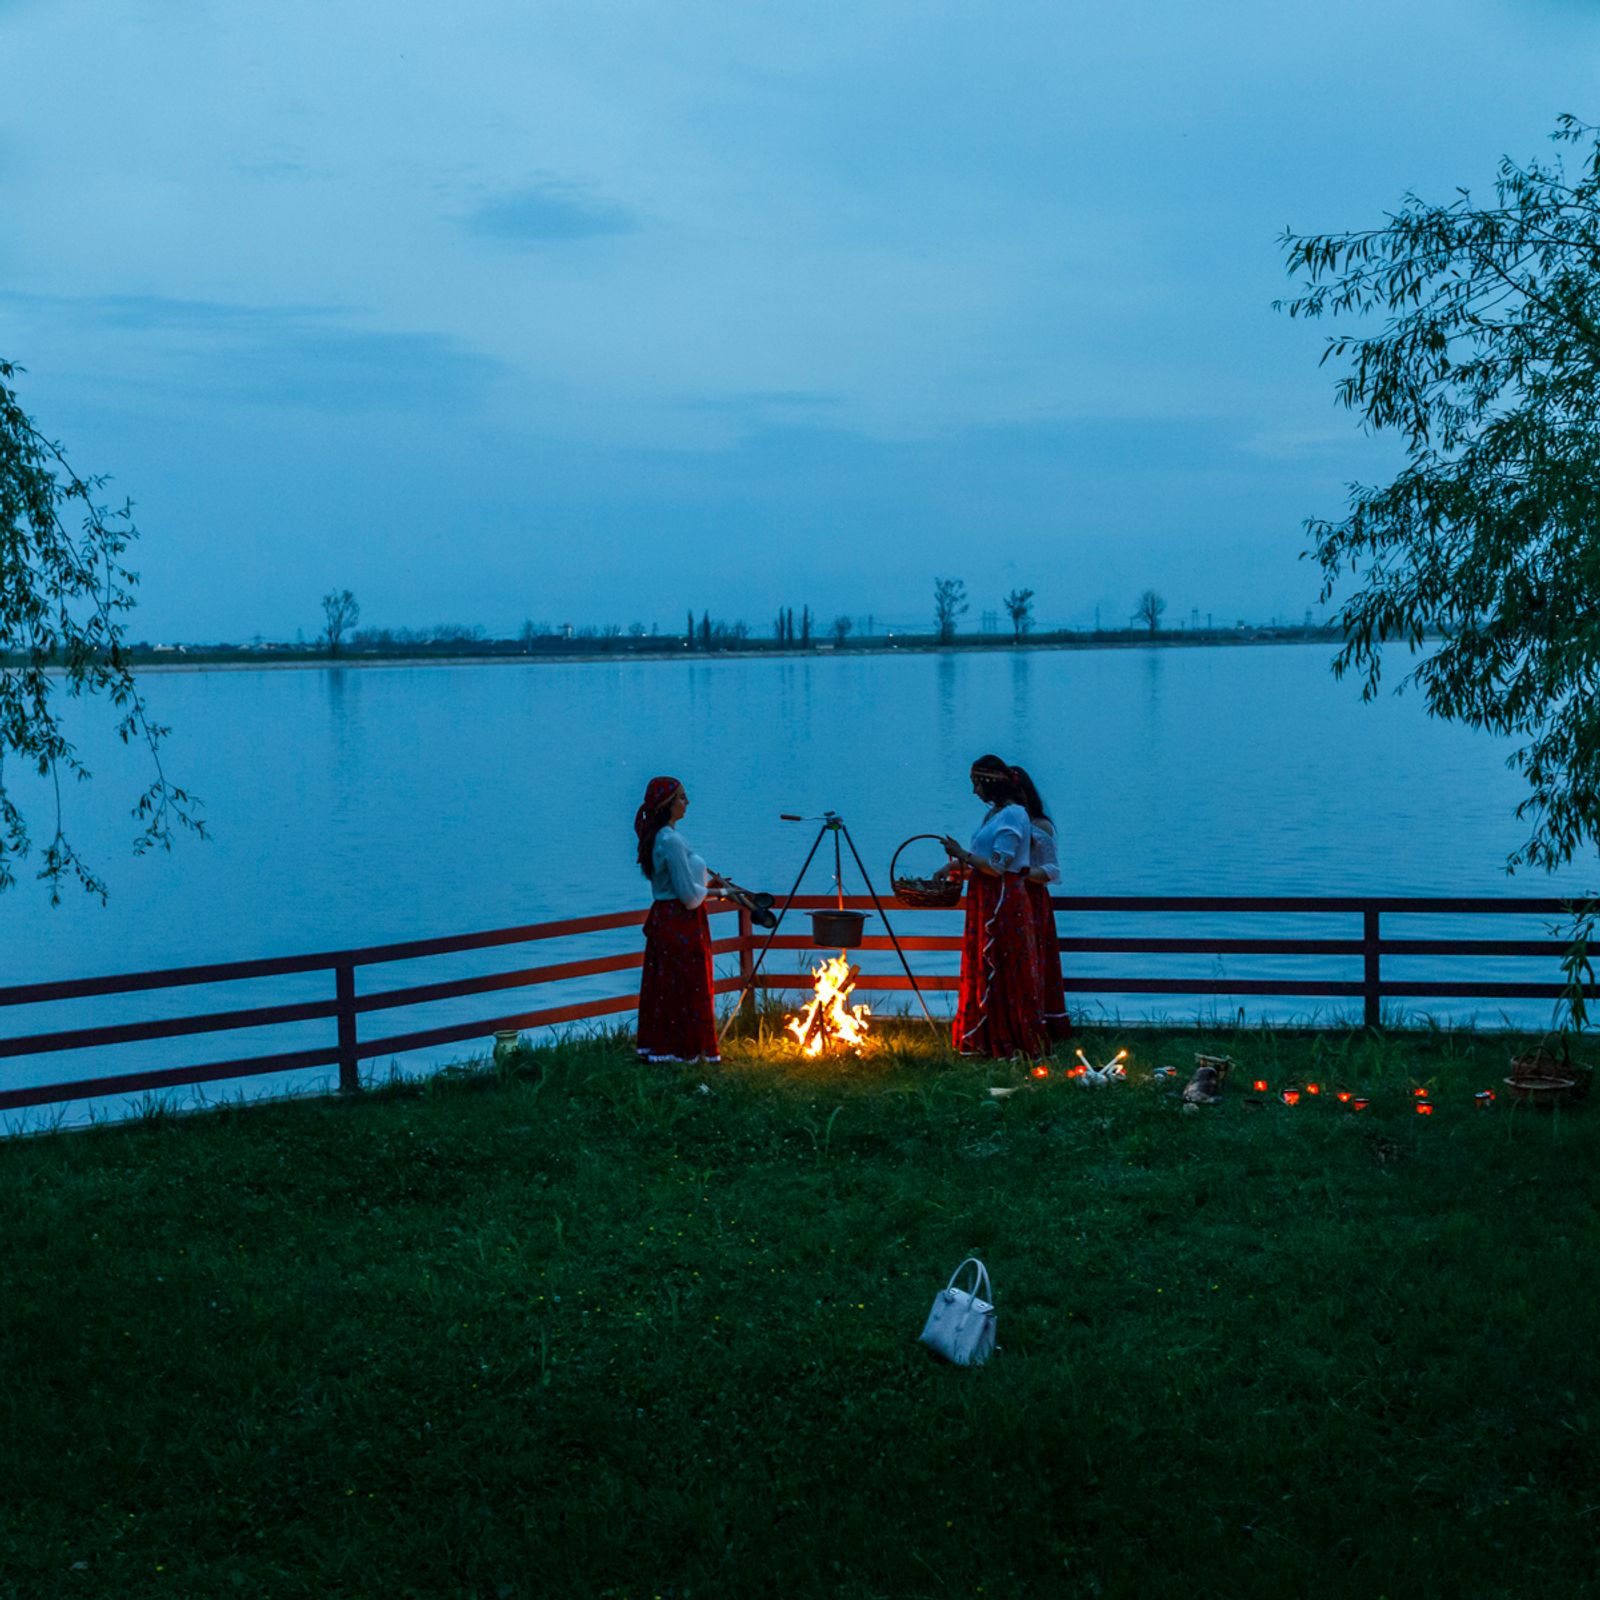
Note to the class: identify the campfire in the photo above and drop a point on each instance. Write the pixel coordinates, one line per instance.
(829, 1019)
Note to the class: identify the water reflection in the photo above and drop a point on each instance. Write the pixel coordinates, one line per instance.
(1022, 727)
(945, 681)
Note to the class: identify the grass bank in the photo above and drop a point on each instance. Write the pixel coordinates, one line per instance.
(583, 1328)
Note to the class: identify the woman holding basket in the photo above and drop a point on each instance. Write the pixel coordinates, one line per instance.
(999, 1011)
(677, 1014)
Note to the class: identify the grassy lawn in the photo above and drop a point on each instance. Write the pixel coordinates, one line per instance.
(585, 1328)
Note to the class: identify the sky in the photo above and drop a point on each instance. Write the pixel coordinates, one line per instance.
(595, 312)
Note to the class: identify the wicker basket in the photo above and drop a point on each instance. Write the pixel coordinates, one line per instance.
(926, 893)
(1545, 1076)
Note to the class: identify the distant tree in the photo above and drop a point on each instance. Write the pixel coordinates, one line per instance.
(688, 633)
(340, 612)
(805, 625)
(527, 634)
(739, 630)
(841, 629)
(949, 604)
(1149, 610)
(1019, 607)
(63, 593)
(777, 627)
(705, 631)
(613, 630)
(636, 630)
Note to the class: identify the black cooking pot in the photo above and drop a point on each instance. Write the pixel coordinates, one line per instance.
(837, 930)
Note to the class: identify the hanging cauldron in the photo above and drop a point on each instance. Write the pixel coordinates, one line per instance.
(836, 929)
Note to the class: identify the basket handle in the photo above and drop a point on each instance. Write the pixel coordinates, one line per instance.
(903, 843)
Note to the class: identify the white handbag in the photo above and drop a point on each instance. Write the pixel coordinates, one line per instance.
(961, 1326)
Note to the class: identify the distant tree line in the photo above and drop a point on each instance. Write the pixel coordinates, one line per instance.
(800, 629)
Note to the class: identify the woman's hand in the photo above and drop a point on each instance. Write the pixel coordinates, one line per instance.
(952, 848)
(715, 880)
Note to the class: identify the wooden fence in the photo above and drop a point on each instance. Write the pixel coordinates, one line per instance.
(350, 1001)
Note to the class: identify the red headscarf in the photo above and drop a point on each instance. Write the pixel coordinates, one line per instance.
(649, 819)
(657, 793)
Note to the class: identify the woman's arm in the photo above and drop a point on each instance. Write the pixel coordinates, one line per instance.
(959, 852)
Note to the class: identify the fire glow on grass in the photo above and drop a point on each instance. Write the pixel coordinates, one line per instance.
(829, 1018)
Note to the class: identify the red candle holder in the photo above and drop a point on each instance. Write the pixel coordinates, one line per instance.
(1360, 1103)
(1041, 1071)
(1290, 1097)
(1344, 1097)
(1260, 1086)
(1424, 1109)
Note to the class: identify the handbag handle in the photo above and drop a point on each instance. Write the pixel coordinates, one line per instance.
(980, 1280)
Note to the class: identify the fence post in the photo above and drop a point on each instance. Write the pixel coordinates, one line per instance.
(345, 990)
(1371, 1010)
(747, 962)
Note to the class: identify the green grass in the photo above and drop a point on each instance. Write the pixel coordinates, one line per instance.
(581, 1328)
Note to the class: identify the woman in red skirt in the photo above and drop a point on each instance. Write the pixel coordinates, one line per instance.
(1044, 875)
(677, 1017)
(999, 1013)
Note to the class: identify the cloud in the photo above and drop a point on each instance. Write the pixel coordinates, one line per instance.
(546, 213)
(308, 356)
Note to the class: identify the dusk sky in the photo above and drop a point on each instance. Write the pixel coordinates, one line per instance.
(596, 312)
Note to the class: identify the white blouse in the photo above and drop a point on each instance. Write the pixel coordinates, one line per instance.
(1042, 852)
(1001, 841)
(677, 873)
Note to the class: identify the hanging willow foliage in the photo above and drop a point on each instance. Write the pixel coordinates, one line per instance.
(64, 595)
(1487, 369)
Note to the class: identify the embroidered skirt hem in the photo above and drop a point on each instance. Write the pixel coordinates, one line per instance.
(677, 1012)
(998, 1013)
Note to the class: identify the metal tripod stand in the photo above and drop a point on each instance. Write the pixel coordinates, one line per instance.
(834, 824)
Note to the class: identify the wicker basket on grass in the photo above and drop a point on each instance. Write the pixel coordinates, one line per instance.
(1548, 1076)
(924, 893)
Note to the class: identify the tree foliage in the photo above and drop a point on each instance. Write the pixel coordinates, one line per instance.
(1019, 607)
(949, 604)
(64, 596)
(1149, 610)
(340, 612)
(1487, 371)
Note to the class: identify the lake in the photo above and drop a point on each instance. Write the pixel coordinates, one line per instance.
(353, 806)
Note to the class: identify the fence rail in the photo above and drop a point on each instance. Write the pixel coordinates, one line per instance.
(350, 1003)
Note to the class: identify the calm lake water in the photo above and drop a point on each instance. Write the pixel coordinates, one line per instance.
(362, 805)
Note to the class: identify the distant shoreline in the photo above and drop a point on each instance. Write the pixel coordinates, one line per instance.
(252, 661)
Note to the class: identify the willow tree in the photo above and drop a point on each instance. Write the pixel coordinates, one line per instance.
(64, 597)
(1486, 370)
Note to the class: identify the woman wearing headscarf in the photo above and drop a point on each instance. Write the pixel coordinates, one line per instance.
(677, 1016)
(1044, 873)
(998, 1013)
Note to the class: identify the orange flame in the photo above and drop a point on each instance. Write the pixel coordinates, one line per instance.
(829, 1018)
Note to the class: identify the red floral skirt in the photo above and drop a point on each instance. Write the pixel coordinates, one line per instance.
(677, 1018)
(999, 1012)
(1052, 990)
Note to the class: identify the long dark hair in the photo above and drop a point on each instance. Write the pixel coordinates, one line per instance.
(1028, 795)
(995, 781)
(651, 817)
(656, 821)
